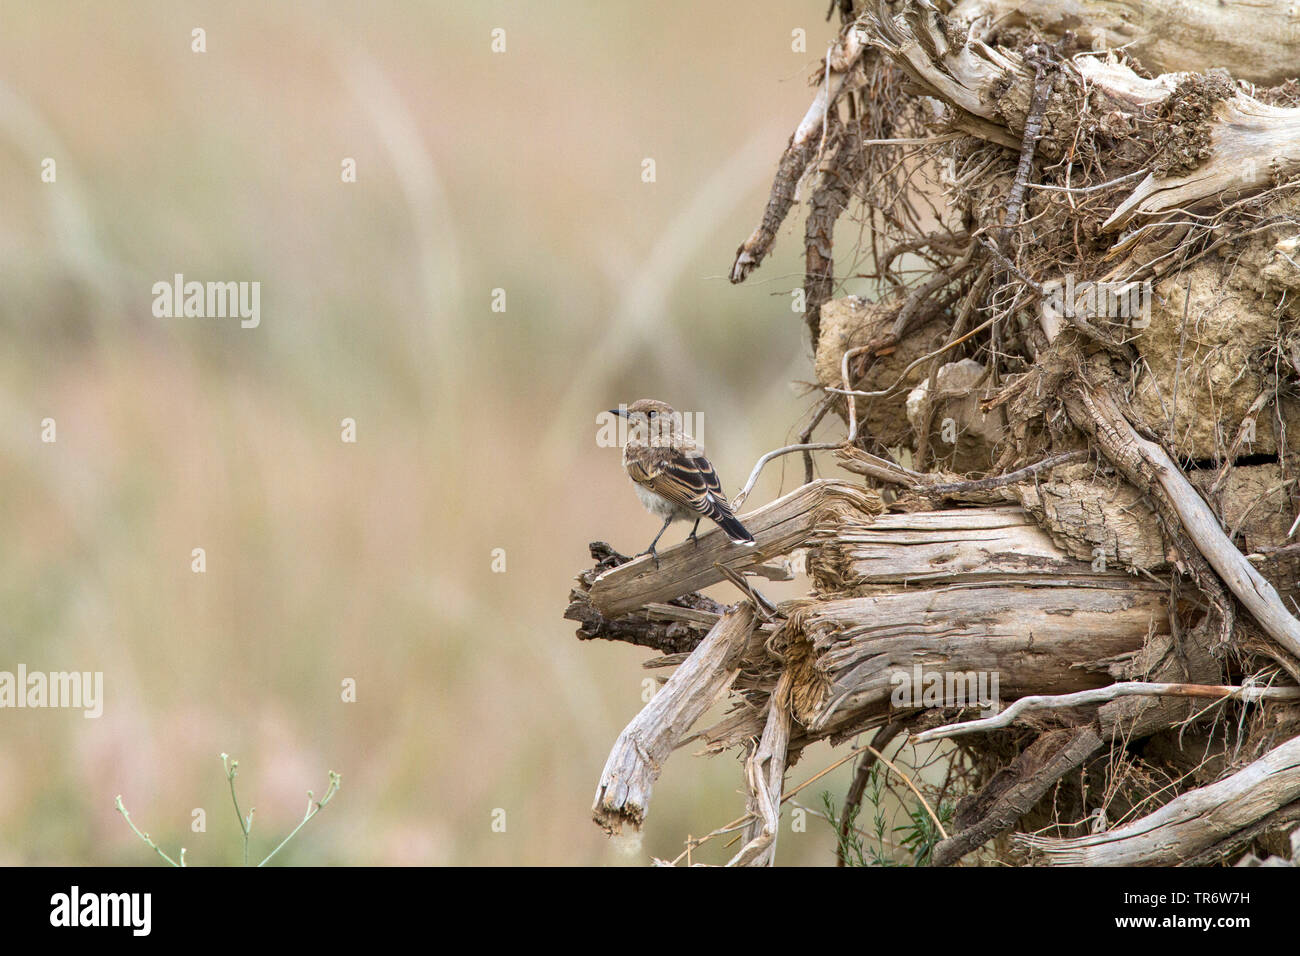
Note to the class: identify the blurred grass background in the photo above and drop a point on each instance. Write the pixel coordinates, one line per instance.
(476, 429)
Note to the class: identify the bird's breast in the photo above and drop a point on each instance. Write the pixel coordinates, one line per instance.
(657, 504)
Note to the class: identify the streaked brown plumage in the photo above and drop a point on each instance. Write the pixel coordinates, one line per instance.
(673, 478)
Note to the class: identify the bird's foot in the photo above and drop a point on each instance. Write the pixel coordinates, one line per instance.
(654, 556)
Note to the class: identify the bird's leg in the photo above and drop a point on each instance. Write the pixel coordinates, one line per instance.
(651, 550)
(691, 536)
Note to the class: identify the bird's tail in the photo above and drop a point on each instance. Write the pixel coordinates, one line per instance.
(734, 529)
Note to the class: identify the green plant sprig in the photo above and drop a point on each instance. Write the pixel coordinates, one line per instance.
(231, 766)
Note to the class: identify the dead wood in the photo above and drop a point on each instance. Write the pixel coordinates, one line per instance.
(1190, 823)
(1106, 694)
(1242, 144)
(1254, 41)
(1146, 463)
(961, 546)
(860, 650)
(845, 165)
(765, 774)
(623, 794)
(778, 528)
(841, 72)
(1015, 789)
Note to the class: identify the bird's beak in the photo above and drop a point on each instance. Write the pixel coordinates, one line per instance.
(618, 411)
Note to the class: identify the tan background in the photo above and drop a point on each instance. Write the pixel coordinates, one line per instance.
(476, 430)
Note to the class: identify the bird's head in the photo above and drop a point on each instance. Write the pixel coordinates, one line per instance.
(654, 420)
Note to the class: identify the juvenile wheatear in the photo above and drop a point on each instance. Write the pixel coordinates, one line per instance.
(673, 478)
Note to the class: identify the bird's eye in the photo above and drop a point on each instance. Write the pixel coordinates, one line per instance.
(651, 414)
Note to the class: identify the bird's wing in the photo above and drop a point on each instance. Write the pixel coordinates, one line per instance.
(687, 479)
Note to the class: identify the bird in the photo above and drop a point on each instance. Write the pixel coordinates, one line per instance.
(673, 478)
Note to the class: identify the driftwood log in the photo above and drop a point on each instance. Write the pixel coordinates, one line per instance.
(982, 585)
(1192, 823)
(638, 756)
(1069, 389)
(1255, 41)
